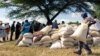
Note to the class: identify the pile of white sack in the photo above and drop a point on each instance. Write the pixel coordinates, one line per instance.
(64, 37)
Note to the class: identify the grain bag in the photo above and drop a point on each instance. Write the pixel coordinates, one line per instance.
(66, 30)
(27, 40)
(56, 44)
(94, 33)
(45, 38)
(37, 36)
(67, 42)
(96, 40)
(46, 29)
(81, 32)
(55, 37)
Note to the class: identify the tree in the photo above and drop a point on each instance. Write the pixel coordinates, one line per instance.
(49, 9)
(97, 9)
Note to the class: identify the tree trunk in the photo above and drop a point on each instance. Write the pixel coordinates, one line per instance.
(49, 22)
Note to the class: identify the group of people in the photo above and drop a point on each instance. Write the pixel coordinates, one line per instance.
(6, 29)
(17, 29)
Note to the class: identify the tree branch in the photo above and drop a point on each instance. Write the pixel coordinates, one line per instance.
(67, 4)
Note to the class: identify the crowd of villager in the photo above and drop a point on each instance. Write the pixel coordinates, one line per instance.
(54, 36)
(9, 32)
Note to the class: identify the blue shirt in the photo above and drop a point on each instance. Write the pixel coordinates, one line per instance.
(26, 27)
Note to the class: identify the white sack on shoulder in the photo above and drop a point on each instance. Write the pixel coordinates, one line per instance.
(81, 32)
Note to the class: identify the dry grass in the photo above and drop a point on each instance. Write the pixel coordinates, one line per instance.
(9, 49)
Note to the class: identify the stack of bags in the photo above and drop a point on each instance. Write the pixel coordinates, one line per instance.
(62, 38)
(95, 37)
(41, 38)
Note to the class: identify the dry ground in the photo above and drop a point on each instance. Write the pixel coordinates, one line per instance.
(9, 49)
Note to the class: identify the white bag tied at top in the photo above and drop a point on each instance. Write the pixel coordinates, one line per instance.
(81, 32)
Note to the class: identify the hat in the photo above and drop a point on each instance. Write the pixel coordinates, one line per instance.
(84, 15)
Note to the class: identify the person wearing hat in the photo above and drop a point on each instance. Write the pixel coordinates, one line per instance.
(82, 44)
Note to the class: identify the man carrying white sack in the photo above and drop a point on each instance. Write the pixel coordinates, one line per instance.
(82, 44)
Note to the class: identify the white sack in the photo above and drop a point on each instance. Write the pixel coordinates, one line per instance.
(56, 44)
(80, 33)
(22, 44)
(45, 39)
(96, 40)
(46, 44)
(55, 37)
(66, 30)
(27, 40)
(94, 33)
(28, 35)
(46, 29)
(67, 42)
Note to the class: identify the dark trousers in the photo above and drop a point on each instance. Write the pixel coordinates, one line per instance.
(83, 45)
(11, 36)
(4, 38)
(17, 33)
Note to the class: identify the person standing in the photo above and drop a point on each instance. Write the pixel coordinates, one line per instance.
(25, 29)
(17, 30)
(82, 44)
(12, 30)
(3, 33)
(7, 29)
(55, 25)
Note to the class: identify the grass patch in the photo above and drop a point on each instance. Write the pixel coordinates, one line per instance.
(9, 49)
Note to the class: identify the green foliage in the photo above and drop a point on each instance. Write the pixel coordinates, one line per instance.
(97, 10)
(50, 9)
(77, 23)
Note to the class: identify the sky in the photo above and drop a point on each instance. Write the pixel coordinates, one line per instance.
(61, 17)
